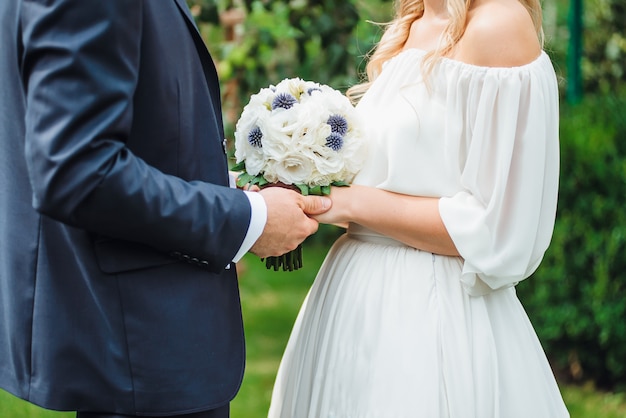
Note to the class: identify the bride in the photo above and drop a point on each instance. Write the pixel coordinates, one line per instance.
(414, 311)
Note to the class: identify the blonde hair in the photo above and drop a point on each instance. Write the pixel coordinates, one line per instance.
(397, 32)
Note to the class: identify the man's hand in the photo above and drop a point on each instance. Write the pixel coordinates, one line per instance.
(287, 221)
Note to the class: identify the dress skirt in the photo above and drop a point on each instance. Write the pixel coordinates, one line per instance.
(387, 331)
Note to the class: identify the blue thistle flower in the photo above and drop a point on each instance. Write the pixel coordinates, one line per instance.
(312, 89)
(255, 137)
(284, 101)
(334, 141)
(338, 124)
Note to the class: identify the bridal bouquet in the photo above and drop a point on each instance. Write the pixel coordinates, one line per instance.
(300, 134)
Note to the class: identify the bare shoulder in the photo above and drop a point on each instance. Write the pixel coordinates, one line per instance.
(499, 33)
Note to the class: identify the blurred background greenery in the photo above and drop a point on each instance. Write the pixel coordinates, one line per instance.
(577, 298)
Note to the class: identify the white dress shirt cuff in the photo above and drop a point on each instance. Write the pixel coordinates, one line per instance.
(258, 218)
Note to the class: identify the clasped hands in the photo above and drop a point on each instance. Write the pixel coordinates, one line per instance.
(291, 218)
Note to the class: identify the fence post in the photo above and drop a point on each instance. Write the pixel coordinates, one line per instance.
(574, 77)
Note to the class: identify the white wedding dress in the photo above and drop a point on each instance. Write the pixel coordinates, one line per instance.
(388, 331)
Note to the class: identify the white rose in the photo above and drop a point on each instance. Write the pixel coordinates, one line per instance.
(334, 100)
(243, 148)
(311, 129)
(276, 137)
(254, 111)
(328, 161)
(354, 156)
(294, 86)
(262, 100)
(256, 163)
(293, 169)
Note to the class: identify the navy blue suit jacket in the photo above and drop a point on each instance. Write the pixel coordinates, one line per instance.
(116, 222)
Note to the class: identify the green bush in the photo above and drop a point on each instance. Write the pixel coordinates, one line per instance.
(577, 298)
(318, 40)
(604, 49)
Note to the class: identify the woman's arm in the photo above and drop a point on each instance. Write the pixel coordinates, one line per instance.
(412, 220)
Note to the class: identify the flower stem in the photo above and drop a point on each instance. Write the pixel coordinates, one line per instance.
(288, 262)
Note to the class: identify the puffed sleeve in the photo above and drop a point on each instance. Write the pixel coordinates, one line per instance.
(502, 220)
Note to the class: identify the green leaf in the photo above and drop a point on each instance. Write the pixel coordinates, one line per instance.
(244, 179)
(256, 180)
(316, 190)
(304, 189)
(239, 167)
(340, 184)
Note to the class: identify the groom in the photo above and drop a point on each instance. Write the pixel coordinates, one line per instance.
(118, 231)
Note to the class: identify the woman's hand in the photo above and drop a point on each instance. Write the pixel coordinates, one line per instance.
(340, 213)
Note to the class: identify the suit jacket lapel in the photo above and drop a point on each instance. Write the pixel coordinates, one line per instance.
(185, 11)
(210, 73)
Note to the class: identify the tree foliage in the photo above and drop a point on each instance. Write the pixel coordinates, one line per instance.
(577, 298)
(604, 58)
(318, 40)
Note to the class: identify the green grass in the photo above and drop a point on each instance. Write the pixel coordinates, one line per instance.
(586, 402)
(270, 304)
(271, 301)
(12, 407)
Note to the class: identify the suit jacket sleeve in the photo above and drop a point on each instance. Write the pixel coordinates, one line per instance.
(80, 69)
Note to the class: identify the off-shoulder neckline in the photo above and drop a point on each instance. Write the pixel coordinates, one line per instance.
(543, 55)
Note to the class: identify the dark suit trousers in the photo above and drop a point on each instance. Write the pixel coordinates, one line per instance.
(223, 412)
